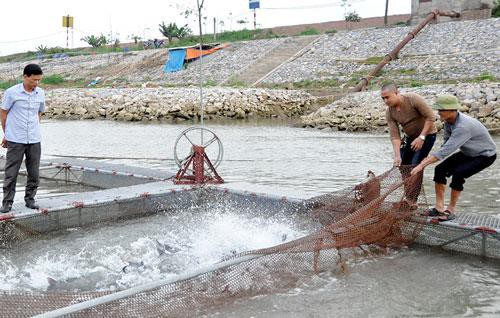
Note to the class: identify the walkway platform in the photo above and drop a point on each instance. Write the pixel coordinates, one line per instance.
(127, 192)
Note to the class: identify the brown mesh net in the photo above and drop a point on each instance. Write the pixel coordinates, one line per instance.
(356, 222)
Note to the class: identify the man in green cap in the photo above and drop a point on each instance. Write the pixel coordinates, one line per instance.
(476, 151)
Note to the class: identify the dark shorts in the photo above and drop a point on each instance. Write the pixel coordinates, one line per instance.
(459, 167)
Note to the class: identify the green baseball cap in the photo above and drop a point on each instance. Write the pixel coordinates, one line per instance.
(446, 102)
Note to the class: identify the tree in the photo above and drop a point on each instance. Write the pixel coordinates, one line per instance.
(495, 12)
(173, 31)
(134, 37)
(95, 41)
(386, 9)
(352, 17)
(199, 6)
(169, 31)
(242, 22)
(345, 4)
(184, 31)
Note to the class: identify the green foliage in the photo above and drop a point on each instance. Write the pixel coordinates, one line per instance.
(270, 34)
(331, 82)
(485, 77)
(495, 12)
(5, 85)
(134, 37)
(241, 35)
(309, 31)
(373, 60)
(414, 83)
(171, 31)
(234, 82)
(210, 83)
(42, 49)
(410, 71)
(352, 17)
(50, 50)
(332, 31)
(53, 79)
(95, 41)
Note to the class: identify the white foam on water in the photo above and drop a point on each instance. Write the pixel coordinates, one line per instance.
(223, 234)
(117, 259)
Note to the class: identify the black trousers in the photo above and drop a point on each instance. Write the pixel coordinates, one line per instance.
(459, 167)
(410, 159)
(15, 154)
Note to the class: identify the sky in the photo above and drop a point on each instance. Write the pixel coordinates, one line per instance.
(27, 24)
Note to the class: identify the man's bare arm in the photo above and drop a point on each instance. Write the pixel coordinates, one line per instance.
(3, 117)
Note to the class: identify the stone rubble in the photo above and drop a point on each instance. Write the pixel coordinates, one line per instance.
(177, 104)
(365, 111)
(137, 67)
(452, 50)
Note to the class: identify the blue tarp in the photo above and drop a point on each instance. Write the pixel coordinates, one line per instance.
(175, 60)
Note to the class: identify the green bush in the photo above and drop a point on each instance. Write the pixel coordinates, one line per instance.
(53, 79)
(309, 31)
(5, 85)
(496, 9)
(332, 31)
(414, 83)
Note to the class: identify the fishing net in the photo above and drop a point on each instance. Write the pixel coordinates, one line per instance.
(383, 211)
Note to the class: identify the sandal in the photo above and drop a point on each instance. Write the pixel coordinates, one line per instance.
(447, 215)
(432, 212)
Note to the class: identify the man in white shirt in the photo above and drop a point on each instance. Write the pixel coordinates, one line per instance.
(20, 117)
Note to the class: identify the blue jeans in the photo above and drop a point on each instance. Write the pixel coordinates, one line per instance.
(410, 157)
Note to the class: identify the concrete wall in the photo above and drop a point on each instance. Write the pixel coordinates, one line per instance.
(291, 30)
(469, 9)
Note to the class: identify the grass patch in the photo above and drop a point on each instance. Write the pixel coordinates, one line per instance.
(485, 77)
(210, 83)
(235, 82)
(230, 36)
(331, 82)
(332, 31)
(54, 79)
(414, 83)
(373, 60)
(309, 31)
(7, 84)
(410, 71)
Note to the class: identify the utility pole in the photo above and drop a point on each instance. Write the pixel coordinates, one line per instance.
(215, 30)
(254, 20)
(67, 22)
(386, 9)
(199, 6)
